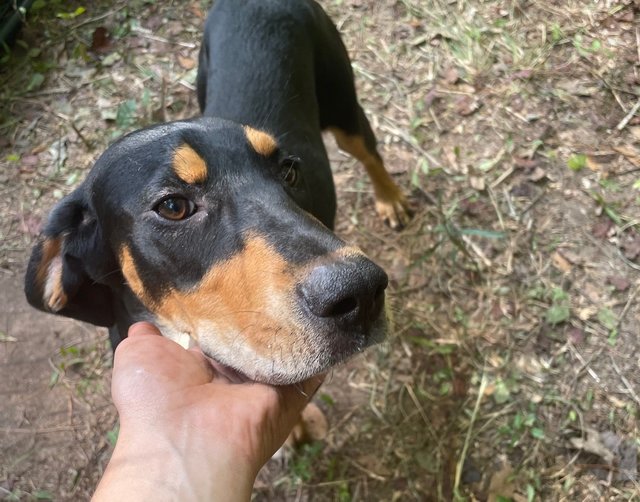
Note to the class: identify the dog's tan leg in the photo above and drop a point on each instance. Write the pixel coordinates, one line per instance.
(312, 426)
(391, 204)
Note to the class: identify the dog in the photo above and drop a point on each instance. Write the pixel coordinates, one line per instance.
(218, 229)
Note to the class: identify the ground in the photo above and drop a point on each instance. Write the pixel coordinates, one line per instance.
(513, 369)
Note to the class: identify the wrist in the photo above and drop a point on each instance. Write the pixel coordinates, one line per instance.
(175, 465)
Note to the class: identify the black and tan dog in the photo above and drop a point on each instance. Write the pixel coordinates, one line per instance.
(217, 229)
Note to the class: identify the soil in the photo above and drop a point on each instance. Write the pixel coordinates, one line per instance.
(513, 369)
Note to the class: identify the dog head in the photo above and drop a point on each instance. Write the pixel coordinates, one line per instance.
(204, 228)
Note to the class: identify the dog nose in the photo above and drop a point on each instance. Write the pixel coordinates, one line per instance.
(350, 291)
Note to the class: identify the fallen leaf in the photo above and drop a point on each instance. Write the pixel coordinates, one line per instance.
(618, 282)
(538, 174)
(631, 246)
(31, 224)
(474, 207)
(186, 62)
(451, 75)
(560, 262)
(619, 454)
(502, 486)
(100, 40)
(602, 228)
(467, 105)
(630, 153)
(477, 183)
(111, 59)
(30, 160)
(524, 163)
(522, 74)
(575, 335)
(430, 97)
(196, 11)
(592, 444)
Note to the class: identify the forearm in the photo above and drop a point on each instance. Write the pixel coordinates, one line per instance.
(148, 467)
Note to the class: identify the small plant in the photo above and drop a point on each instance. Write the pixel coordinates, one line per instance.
(303, 463)
(559, 311)
(523, 423)
(577, 162)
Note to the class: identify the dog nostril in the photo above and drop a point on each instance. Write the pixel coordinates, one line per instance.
(342, 307)
(349, 291)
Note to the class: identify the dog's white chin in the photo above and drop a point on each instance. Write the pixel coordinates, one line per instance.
(183, 339)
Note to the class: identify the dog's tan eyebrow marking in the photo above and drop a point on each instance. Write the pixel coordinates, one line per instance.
(260, 141)
(189, 166)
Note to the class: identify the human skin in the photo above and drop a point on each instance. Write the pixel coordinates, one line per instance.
(187, 431)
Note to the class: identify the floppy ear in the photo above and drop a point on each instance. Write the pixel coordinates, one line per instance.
(67, 263)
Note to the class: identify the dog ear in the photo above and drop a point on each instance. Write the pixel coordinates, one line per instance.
(66, 263)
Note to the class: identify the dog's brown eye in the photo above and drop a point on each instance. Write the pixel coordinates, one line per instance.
(175, 208)
(289, 171)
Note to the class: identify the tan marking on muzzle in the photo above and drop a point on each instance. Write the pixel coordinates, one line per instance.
(130, 272)
(247, 297)
(262, 142)
(189, 166)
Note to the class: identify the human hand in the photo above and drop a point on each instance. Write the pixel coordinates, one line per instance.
(186, 431)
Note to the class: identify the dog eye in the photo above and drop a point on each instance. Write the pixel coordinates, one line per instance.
(289, 169)
(175, 208)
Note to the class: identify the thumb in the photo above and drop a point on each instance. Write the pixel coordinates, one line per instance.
(143, 329)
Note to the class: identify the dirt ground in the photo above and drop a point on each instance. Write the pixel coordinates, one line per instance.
(513, 370)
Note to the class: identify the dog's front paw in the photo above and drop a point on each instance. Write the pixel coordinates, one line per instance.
(394, 211)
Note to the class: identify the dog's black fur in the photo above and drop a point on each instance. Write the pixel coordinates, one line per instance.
(209, 227)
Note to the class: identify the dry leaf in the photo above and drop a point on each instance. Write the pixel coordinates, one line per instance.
(602, 228)
(631, 246)
(477, 183)
(501, 485)
(593, 444)
(467, 105)
(524, 163)
(451, 76)
(618, 282)
(560, 262)
(630, 153)
(576, 336)
(186, 63)
(100, 40)
(196, 11)
(538, 174)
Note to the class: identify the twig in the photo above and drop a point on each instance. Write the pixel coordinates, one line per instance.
(585, 364)
(412, 142)
(632, 297)
(625, 381)
(143, 33)
(467, 439)
(502, 177)
(623, 123)
(476, 249)
(97, 18)
(44, 430)
(421, 411)
(494, 202)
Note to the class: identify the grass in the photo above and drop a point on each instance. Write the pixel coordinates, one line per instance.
(502, 119)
